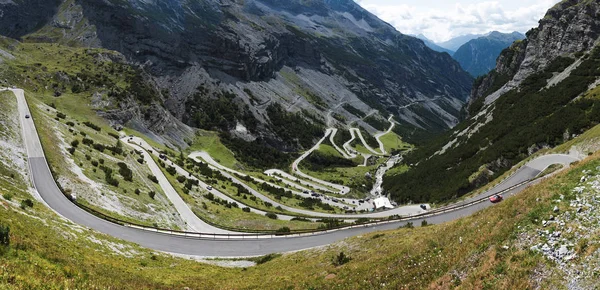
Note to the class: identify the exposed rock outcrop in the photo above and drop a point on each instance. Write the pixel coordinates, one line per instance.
(569, 27)
(273, 49)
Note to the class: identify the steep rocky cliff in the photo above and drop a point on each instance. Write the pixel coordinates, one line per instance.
(571, 26)
(308, 56)
(478, 56)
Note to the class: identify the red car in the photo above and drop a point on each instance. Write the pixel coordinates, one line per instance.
(495, 198)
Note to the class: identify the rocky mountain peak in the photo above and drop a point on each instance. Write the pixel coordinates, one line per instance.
(570, 27)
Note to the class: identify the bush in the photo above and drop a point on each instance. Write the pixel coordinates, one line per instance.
(153, 178)
(71, 150)
(75, 143)
(246, 209)
(181, 179)
(87, 141)
(26, 203)
(8, 196)
(283, 230)
(152, 194)
(113, 135)
(271, 215)
(95, 163)
(424, 223)
(70, 124)
(125, 171)
(4, 235)
(341, 259)
(137, 191)
(93, 126)
(99, 147)
(60, 115)
(171, 170)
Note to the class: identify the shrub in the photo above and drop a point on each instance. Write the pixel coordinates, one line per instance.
(4, 235)
(60, 115)
(87, 141)
(113, 135)
(171, 170)
(71, 150)
(271, 215)
(409, 225)
(95, 163)
(283, 230)
(75, 143)
(137, 191)
(99, 147)
(151, 194)
(8, 196)
(341, 259)
(93, 126)
(70, 124)
(26, 203)
(125, 171)
(246, 209)
(424, 223)
(153, 178)
(181, 179)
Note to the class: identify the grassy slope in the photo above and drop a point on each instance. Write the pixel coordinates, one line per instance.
(433, 256)
(391, 141)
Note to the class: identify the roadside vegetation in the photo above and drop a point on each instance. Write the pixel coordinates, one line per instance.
(485, 250)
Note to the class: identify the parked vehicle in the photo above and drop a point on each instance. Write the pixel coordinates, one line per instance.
(209, 187)
(27, 116)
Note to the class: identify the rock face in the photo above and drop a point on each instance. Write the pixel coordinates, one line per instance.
(567, 28)
(478, 56)
(539, 96)
(18, 18)
(306, 55)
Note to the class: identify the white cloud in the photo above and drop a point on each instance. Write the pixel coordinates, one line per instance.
(441, 20)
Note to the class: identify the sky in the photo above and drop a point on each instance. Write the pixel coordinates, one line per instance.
(440, 20)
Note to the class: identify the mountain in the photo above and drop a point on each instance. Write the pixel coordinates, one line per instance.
(478, 56)
(432, 44)
(455, 43)
(307, 57)
(542, 93)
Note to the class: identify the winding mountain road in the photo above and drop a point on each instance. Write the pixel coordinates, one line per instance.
(224, 245)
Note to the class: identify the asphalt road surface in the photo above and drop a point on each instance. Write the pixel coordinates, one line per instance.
(223, 247)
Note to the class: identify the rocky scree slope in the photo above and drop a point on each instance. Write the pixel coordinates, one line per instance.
(539, 96)
(478, 56)
(307, 56)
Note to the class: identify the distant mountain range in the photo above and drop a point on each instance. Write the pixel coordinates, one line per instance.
(476, 53)
(478, 56)
(455, 43)
(433, 45)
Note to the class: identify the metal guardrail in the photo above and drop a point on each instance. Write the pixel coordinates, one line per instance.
(296, 233)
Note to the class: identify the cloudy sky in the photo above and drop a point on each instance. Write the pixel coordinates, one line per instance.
(441, 20)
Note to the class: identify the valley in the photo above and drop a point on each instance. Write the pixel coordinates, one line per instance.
(260, 144)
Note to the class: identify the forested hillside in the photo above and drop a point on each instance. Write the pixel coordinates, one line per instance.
(544, 108)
